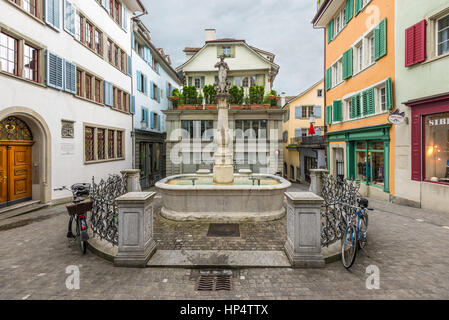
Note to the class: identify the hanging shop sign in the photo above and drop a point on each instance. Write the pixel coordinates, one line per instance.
(396, 117)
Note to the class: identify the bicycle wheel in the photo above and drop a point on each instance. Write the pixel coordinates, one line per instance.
(83, 244)
(349, 247)
(362, 231)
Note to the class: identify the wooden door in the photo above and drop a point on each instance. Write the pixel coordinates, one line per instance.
(19, 177)
(3, 175)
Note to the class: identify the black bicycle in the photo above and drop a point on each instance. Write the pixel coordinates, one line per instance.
(78, 212)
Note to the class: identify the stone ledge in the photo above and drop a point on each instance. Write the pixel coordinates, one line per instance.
(223, 216)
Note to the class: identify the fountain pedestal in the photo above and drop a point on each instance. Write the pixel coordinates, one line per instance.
(223, 167)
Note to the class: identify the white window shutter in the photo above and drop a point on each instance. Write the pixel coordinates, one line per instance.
(49, 12)
(56, 14)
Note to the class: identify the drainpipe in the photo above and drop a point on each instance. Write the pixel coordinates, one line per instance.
(133, 134)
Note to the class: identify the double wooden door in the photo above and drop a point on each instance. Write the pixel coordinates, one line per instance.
(15, 172)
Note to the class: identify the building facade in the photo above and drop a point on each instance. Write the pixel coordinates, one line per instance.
(66, 85)
(249, 66)
(302, 151)
(359, 82)
(257, 140)
(153, 81)
(422, 91)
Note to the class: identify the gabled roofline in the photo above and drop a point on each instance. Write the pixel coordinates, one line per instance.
(302, 93)
(274, 65)
(158, 53)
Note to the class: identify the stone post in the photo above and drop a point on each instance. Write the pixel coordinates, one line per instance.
(303, 246)
(132, 180)
(135, 235)
(316, 180)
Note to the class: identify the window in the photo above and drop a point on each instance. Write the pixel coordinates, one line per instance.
(251, 128)
(111, 144)
(319, 93)
(97, 90)
(337, 70)
(89, 40)
(117, 11)
(155, 121)
(198, 83)
(79, 77)
(155, 92)
(122, 61)
(443, 35)
(88, 87)
(110, 45)
(102, 143)
(245, 82)
(370, 162)
(226, 51)
(89, 144)
(101, 155)
(9, 54)
(382, 99)
(98, 42)
(437, 147)
(371, 49)
(252, 81)
(359, 50)
(30, 6)
(339, 21)
(79, 28)
(31, 63)
(307, 111)
(116, 56)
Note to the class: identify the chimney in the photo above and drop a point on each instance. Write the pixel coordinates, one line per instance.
(210, 34)
(283, 99)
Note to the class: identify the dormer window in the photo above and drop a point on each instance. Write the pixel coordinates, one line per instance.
(226, 51)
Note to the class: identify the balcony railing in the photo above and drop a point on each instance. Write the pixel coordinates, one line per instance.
(313, 140)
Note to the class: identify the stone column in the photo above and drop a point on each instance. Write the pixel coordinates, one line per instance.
(224, 166)
(316, 180)
(132, 180)
(303, 246)
(135, 235)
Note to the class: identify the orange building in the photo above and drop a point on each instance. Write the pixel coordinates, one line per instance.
(359, 82)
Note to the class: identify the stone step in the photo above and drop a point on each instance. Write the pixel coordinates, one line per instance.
(22, 208)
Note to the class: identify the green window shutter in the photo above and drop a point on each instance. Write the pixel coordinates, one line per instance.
(371, 102)
(330, 31)
(380, 40)
(359, 107)
(350, 63)
(349, 10)
(389, 93)
(328, 114)
(358, 6)
(329, 79)
(337, 111)
(347, 64)
(365, 102)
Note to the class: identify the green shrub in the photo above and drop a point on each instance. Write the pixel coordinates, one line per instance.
(237, 95)
(190, 94)
(200, 99)
(256, 94)
(209, 94)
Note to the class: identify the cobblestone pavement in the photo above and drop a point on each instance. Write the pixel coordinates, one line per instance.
(410, 247)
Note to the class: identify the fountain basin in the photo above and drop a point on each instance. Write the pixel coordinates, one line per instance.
(238, 202)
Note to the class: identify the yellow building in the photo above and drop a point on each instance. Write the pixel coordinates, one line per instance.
(302, 151)
(360, 78)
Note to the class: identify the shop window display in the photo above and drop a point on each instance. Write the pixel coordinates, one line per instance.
(437, 147)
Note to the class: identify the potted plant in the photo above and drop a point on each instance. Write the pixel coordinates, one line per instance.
(175, 97)
(188, 99)
(273, 98)
(237, 97)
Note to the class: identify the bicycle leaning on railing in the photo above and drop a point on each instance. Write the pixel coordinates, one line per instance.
(78, 212)
(355, 236)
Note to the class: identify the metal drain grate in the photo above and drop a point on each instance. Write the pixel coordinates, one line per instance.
(214, 282)
(223, 230)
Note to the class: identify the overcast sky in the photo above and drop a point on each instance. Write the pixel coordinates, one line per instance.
(279, 26)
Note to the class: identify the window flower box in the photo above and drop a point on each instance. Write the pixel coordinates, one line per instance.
(210, 107)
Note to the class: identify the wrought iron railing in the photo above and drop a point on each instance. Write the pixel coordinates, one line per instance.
(340, 198)
(313, 140)
(104, 218)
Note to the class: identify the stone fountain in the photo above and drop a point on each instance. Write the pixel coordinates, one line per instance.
(224, 196)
